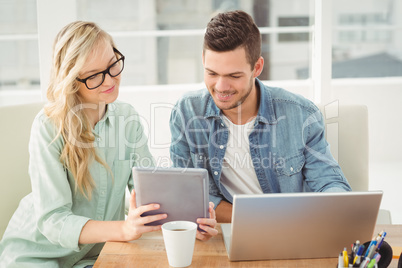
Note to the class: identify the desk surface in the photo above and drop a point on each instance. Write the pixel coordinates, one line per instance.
(149, 251)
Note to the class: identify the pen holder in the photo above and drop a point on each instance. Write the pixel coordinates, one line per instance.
(385, 252)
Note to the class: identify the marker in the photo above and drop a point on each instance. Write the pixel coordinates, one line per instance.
(377, 257)
(358, 255)
(371, 264)
(340, 260)
(345, 258)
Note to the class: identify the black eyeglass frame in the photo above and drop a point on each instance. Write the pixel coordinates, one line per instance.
(107, 71)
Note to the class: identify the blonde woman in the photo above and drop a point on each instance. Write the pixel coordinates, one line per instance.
(82, 147)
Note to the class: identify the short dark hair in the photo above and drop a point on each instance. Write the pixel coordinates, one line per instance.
(230, 30)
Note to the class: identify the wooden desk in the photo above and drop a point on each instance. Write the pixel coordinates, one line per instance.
(149, 251)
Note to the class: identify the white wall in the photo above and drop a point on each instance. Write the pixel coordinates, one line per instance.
(384, 100)
(14, 97)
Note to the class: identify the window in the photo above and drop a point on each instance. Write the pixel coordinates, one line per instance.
(364, 35)
(293, 21)
(19, 61)
(163, 39)
(367, 42)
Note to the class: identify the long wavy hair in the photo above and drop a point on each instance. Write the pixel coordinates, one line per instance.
(71, 49)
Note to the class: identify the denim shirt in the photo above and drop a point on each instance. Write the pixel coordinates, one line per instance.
(287, 145)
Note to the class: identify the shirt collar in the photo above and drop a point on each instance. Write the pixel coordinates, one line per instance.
(109, 114)
(212, 110)
(266, 113)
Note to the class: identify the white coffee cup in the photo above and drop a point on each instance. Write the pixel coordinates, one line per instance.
(179, 238)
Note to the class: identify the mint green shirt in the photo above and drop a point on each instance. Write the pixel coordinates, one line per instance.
(45, 228)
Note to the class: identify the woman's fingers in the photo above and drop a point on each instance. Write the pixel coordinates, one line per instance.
(212, 210)
(135, 214)
(133, 204)
(142, 209)
(151, 218)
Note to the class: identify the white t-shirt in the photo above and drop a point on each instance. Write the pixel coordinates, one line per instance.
(238, 174)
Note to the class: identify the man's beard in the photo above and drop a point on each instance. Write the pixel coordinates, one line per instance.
(243, 98)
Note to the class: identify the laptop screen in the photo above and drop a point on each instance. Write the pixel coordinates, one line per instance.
(300, 225)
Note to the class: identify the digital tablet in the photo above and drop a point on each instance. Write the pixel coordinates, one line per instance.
(183, 193)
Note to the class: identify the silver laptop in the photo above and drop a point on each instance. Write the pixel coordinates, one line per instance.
(299, 225)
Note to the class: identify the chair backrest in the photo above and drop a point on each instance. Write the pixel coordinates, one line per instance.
(347, 133)
(16, 122)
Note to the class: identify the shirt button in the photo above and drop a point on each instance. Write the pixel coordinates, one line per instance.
(216, 172)
(98, 139)
(221, 147)
(103, 193)
(200, 156)
(222, 125)
(291, 168)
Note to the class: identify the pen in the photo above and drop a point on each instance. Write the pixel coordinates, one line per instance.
(358, 255)
(352, 252)
(364, 262)
(377, 257)
(373, 242)
(352, 256)
(372, 250)
(371, 263)
(381, 240)
(356, 246)
(345, 258)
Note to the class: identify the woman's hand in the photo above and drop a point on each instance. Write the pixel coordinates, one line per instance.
(208, 225)
(134, 225)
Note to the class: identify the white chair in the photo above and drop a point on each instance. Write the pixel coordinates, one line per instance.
(16, 124)
(348, 135)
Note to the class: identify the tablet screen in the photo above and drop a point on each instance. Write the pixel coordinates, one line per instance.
(181, 192)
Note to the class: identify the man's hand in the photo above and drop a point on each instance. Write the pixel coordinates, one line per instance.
(224, 212)
(208, 225)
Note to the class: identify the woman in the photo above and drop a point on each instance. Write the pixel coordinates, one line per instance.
(82, 148)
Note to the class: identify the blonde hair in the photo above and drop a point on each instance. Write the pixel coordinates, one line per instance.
(71, 48)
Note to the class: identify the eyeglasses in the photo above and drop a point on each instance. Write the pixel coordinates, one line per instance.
(97, 79)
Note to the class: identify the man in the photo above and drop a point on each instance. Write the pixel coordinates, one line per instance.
(252, 138)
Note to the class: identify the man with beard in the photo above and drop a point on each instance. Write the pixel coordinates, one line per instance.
(251, 138)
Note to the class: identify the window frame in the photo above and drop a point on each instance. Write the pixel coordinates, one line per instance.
(320, 81)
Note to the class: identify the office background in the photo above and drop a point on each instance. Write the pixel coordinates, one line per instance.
(342, 52)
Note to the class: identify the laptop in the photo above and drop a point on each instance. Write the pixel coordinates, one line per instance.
(299, 225)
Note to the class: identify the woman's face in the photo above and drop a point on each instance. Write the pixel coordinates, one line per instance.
(100, 59)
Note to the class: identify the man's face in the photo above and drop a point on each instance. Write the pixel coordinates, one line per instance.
(230, 78)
